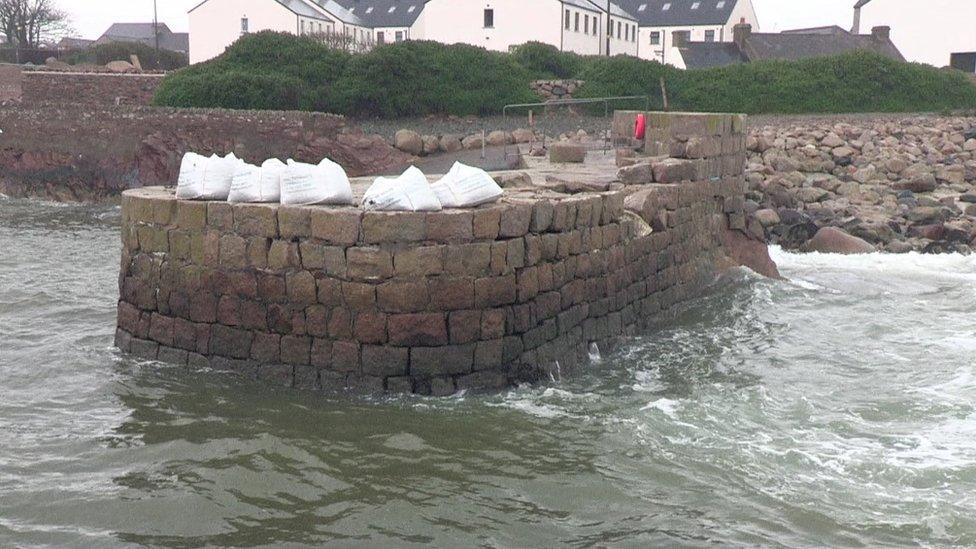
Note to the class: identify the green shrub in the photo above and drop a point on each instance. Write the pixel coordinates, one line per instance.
(419, 77)
(545, 62)
(123, 51)
(281, 71)
(858, 81)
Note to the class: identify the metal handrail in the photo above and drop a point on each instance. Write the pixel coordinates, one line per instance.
(563, 102)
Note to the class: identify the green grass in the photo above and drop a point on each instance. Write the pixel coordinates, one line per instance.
(284, 72)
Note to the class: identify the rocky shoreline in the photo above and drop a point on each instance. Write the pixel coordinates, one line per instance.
(899, 184)
(879, 182)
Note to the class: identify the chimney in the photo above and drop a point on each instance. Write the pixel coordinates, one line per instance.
(678, 39)
(741, 34)
(881, 34)
(856, 29)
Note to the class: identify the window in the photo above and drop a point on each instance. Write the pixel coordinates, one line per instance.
(399, 36)
(666, 7)
(303, 26)
(244, 25)
(567, 19)
(586, 24)
(489, 19)
(627, 33)
(391, 10)
(656, 38)
(695, 5)
(709, 36)
(576, 25)
(633, 33)
(618, 29)
(685, 35)
(642, 7)
(380, 37)
(720, 5)
(369, 10)
(411, 9)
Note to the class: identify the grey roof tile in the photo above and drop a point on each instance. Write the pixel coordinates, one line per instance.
(679, 13)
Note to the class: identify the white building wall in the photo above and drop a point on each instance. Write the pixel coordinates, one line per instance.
(624, 43)
(515, 22)
(216, 24)
(585, 38)
(925, 32)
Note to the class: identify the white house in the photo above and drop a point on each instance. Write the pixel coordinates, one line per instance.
(925, 32)
(694, 20)
(581, 26)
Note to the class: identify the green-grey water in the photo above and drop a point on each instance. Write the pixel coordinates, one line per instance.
(837, 409)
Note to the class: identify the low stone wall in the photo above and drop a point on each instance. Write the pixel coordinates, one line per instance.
(89, 89)
(72, 153)
(432, 303)
(550, 90)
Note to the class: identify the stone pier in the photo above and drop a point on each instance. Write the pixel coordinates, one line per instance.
(329, 298)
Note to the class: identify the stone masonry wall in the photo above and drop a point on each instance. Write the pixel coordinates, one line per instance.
(330, 298)
(80, 153)
(91, 89)
(550, 90)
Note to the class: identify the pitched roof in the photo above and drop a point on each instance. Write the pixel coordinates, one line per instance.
(801, 46)
(601, 7)
(788, 46)
(383, 13)
(705, 55)
(134, 31)
(679, 13)
(339, 12)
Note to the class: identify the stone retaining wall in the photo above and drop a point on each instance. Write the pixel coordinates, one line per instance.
(77, 153)
(37, 87)
(550, 90)
(329, 297)
(90, 89)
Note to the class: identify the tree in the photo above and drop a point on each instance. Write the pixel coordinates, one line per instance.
(26, 23)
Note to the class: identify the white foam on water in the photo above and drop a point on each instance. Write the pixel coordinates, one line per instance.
(666, 406)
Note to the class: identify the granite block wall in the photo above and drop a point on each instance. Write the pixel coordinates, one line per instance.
(332, 298)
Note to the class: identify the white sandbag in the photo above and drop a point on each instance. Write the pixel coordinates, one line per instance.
(254, 184)
(410, 192)
(190, 184)
(246, 186)
(272, 171)
(465, 187)
(218, 176)
(325, 183)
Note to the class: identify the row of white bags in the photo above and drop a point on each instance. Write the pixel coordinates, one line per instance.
(462, 187)
(229, 178)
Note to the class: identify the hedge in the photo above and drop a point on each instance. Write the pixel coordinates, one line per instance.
(282, 71)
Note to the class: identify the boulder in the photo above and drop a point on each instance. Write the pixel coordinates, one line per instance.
(831, 240)
(471, 142)
(409, 142)
(498, 138)
(567, 152)
(120, 66)
(523, 135)
(638, 174)
(451, 143)
(767, 217)
(431, 144)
